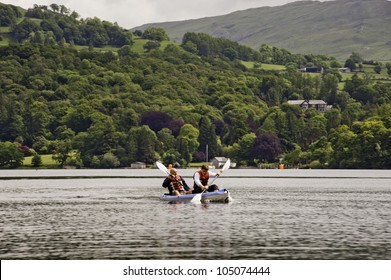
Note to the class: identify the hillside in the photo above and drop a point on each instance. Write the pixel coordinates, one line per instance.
(336, 28)
(89, 93)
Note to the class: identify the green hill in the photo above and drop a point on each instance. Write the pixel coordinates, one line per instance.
(89, 93)
(336, 28)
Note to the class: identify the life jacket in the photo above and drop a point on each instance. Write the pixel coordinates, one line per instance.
(176, 182)
(203, 178)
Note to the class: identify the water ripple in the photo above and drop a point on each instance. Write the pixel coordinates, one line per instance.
(124, 219)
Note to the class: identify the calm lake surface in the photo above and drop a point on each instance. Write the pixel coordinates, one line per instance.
(117, 214)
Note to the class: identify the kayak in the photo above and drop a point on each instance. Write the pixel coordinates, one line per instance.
(216, 196)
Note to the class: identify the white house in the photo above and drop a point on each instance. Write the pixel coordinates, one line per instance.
(344, 70)
(138, 165)
(218, 162)
(319, 105)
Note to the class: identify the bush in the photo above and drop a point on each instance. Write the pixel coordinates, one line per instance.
(74, 162)
(26, 150)
(10, 155)
(315, 165)
(36, 161)
(109, 160)
(377, 69)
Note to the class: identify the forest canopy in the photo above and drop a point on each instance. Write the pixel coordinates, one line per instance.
(100, 108)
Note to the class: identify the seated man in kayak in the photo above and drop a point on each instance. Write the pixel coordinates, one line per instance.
(176, 184)
(201, 178)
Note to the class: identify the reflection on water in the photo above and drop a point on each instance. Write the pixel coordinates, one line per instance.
(270, 218)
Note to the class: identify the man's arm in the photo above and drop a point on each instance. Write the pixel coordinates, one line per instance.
(166, 183)
(213, 175)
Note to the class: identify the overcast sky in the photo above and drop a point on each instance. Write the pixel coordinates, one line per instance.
(132, 13)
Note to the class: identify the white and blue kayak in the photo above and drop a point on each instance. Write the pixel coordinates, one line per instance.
(216, 196)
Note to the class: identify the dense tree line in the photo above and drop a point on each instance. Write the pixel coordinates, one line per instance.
(57, 24)
(9, 15)
(206, 45)
(274, 55)
(100, 109)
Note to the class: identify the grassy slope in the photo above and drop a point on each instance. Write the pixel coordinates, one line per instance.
(335, 27)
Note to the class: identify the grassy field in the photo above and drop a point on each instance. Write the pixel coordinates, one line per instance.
(272, 67)
(383, 77)
(264, 66)
(368, 69)
(4, 36)
(47, 162)
(4, 29)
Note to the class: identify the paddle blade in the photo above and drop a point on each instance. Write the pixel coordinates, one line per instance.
(227, 165)
(162, 167)
(196, 198)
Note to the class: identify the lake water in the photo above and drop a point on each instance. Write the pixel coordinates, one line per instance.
(117, 214)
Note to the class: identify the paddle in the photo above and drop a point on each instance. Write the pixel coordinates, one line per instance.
(162, 167)
(198, 196)
(226, 165)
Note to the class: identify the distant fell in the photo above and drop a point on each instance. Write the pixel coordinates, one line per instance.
(336, 28)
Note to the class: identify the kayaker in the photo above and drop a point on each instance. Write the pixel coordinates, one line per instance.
(176, 184)
(201, 178)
